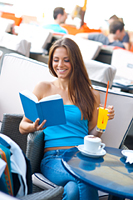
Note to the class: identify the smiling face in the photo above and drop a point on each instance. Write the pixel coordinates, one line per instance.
(61, 63)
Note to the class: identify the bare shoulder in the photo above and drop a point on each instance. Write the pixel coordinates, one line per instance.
(42, 89)
(43, 85)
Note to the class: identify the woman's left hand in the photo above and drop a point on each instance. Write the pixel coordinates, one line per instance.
(111, 112)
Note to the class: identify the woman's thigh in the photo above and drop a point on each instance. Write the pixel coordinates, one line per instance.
(53, 169)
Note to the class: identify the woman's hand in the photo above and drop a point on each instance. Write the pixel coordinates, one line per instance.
(111, 112)
(37, 127)
(26, 126)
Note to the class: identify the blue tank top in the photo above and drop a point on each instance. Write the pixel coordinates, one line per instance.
(70, 134)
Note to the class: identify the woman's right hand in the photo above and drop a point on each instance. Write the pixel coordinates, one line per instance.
(38, 127)
(26, 126)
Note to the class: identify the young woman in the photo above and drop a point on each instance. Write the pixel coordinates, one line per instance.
(80, 103)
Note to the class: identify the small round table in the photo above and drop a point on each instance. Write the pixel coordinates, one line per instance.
(110, 173)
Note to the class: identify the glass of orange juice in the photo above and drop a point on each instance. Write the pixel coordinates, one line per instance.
(102, 119)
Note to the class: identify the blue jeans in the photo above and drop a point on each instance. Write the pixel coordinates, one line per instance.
(74, 189)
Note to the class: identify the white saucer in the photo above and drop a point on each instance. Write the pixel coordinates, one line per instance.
(94, 155)
(125, 153)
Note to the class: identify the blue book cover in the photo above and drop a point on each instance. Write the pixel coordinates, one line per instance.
(50, 108)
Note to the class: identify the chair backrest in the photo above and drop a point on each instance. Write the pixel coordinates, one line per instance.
(19, 73)
(4, 51)
(100, 73)
(15, 43)
(123, 61)
(36, 35)
(118, 128)
(89, 49)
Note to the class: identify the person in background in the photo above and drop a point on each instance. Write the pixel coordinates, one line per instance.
(116, 34)
(60, 16)
(81, 104)
(126, 39)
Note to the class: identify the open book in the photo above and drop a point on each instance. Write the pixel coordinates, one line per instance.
(50, 108)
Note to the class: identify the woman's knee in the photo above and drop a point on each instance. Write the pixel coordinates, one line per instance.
(71, 191)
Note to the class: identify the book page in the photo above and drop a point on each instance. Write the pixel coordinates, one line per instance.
(30, 95)
(51, 97)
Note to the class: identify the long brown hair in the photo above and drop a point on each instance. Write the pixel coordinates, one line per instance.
(79, 86)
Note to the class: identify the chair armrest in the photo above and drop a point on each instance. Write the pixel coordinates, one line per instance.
(51, 194)
(35, 149)
(39, 180)
(34, 152)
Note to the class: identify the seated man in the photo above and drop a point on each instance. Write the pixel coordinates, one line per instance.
(126, 39)
(116, 33)
(60, 17)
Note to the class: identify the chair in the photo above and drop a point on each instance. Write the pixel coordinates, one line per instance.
(123, 61)
(100, 73)
(105, 55)
(3, 51)
(89, 49)
(34, 152)
(39, 37)
(16, 43)
(118, 128)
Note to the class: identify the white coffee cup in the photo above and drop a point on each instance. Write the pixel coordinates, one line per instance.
(93, 144)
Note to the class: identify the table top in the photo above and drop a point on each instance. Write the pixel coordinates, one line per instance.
(109, 173)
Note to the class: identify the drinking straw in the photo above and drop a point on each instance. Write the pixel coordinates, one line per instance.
(106, 95)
